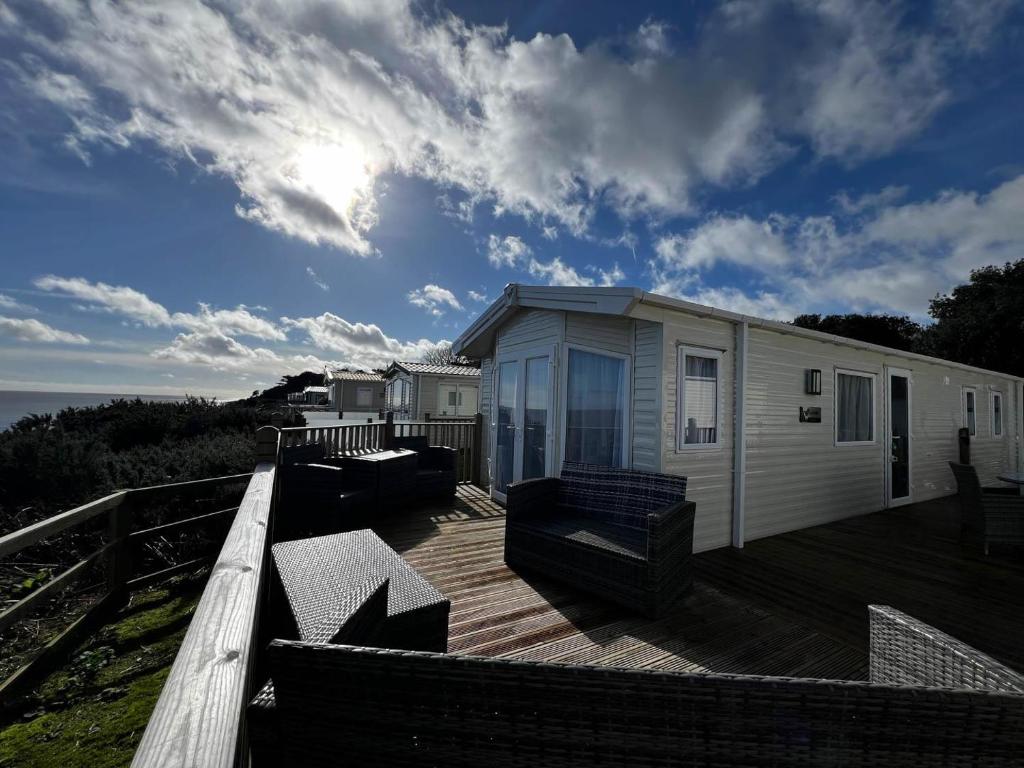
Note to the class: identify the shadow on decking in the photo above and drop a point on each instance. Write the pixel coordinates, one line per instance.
(793, 604)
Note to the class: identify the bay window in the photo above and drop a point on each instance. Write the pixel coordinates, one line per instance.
(595, 412)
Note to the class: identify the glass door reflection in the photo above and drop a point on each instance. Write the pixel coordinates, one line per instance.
(535, 418)
(504, 464)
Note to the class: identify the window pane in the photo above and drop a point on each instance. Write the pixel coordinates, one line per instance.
(997, 414)
(700, 400)
(594, 418)
(972, 424)
(854, 409)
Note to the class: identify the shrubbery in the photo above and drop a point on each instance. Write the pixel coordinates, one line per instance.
(51, 463)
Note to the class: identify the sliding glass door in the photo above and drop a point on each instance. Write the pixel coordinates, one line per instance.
(595, 411)
(523, 433)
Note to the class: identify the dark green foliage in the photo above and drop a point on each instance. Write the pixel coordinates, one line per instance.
(289, 384)
(51, 463)
(886, 330)
(982, 323)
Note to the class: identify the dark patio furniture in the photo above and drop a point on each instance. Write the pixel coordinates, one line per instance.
(392, 475)
(988, 515)
(436, 473)
(353, 617)
(931, 701)
(315, 574)
(623, 534)
(318, 499)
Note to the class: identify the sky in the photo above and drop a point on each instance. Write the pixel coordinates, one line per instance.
(202, 197)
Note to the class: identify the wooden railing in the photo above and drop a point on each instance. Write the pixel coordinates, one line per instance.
(465, 435)
(117, 552)
(199, 718)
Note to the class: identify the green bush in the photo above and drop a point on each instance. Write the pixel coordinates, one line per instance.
(51, 463)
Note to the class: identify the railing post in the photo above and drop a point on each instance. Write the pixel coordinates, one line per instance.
(476, 452)
(267, 439)
(119, 564)
(389, 431)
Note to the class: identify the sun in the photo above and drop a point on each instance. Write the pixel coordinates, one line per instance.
(338, 174)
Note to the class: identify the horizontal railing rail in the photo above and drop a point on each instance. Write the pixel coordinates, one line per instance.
(117, 551)
(199, 717)
(464, 435)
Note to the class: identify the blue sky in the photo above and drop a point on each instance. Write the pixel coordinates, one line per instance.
(202, 197)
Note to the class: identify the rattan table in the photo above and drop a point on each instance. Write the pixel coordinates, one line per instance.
(1017, 478)
(317, 572)
(391, 473)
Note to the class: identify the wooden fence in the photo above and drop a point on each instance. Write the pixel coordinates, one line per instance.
(464, 435)
(199, 719)
(117, 553)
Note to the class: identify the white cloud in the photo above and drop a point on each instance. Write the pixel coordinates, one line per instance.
(478, 296)
(761, 304)
(557, 272)
(363, 345)
(894, 259)
(508, 251)
(30, 329)
(317, 281)
(302, 105)
(117, 299)
(223, 353)
(137, 306)
(434, 299)
(870, 200)
(11, 304)
(739, 240)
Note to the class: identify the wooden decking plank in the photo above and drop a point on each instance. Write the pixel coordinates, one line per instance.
(792, 605)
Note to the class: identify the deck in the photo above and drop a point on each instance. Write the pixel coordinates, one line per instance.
(790, 605)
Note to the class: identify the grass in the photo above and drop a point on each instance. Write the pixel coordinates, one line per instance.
(92, 711)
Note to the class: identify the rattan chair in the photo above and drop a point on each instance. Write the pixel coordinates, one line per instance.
(931, 701)
(436, 473)
(623, 534)
(987, 515)
(320, 498)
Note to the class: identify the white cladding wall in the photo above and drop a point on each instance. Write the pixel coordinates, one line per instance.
(708, 470)
(430, 387)
(647, 366)
(936, 392)
(797, 476)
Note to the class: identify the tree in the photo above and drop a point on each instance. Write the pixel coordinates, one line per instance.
(442, 354)
(295, 383)
(981, 323)
(896, 331)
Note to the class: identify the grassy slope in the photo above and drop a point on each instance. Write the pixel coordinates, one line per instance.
(92, 712)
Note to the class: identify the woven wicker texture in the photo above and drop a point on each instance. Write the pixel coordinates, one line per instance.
(989, 515)
(905, 651)
(355, 616)
(318, 572)
(388, 708)
(436, 472)
(629, 540)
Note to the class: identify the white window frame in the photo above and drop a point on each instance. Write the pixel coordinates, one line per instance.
(996, 394)
(963, 409)
(835, 407)
(681, 353)
(627, 398)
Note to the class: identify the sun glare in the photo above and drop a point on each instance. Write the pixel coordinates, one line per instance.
(338, 175)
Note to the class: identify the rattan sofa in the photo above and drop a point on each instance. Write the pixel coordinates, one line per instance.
(988, 515)
(623, 534)
(931, 701)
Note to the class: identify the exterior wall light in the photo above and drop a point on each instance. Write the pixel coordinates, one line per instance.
(812, 381)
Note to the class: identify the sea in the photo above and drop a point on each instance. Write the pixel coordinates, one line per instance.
(15, 404)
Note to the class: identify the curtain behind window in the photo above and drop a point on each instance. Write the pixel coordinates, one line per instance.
(594, 402)
(700, 400)
(853, 408)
